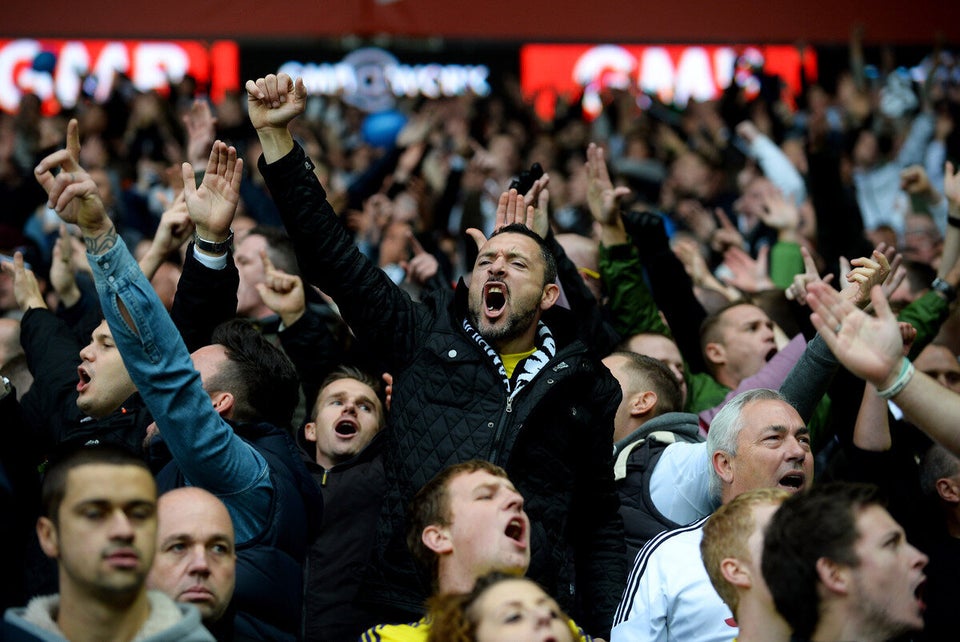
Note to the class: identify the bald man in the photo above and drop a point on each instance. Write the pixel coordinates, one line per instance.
(196, 557)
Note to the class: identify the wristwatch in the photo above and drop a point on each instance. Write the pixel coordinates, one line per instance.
(213, 247)
(948, 291)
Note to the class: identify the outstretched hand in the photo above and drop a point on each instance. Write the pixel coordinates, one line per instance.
(870, 347)
(797, 291)
(63, 268)
(26, 290)
(511, 209)
(866, 273)
(201, 127)
(213, 205)
(746, 273)
(71, 192)
(603, 198)
(422, 266)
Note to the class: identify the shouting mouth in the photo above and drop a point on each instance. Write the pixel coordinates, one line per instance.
(494, 299)
(793, 481)
(515, 530)
(346, 429)
(83, 379)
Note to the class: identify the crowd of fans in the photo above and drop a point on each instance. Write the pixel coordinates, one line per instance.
(366, 376)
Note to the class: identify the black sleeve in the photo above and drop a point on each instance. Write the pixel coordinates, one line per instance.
(380, 314)
(314, 352)
(592, 329)
(205, 298)
(670, 284)
(53, 355)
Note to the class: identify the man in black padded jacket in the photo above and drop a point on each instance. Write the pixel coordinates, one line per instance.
(493, 372)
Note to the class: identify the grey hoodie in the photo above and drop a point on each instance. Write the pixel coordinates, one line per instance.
(168, 622)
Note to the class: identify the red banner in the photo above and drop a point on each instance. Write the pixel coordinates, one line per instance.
(674, 73)
(60, 72)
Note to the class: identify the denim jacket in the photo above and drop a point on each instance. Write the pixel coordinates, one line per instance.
(202, 443)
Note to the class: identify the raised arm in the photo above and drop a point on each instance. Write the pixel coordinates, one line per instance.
(52, 352)
(207, 290)
(304, 336)
(871, 348)
(202, 443)
(380, 314)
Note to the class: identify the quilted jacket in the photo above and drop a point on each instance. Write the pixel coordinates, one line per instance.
(450, 405)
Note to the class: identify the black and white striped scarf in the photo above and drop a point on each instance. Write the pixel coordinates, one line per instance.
(529, 367)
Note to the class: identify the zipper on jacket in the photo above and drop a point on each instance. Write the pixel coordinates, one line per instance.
(495, 448)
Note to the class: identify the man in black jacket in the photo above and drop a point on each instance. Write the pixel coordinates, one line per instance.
(493, 373)
(344, 447)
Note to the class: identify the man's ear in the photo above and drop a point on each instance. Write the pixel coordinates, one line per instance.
(723, 465)
(735, 573)
(310, 431)
(49, 540)
(948, 490)
(643, 403)
(223, 403)
(551, 292)
(437, 539)
(834, 577)
(715, 353)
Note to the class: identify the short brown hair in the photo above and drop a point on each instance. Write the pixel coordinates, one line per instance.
(431, 507)
(54, 487)
(725, 535)
(345, 371)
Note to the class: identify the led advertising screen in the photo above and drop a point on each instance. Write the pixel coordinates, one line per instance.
(61, 72)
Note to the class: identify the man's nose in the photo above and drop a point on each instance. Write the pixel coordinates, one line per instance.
(120, 526)
(199, 564)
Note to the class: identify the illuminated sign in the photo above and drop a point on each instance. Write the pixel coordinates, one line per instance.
(60, 71)
(372, 79)
(674, 73)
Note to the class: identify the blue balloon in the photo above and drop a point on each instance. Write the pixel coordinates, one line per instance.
(44, 61)
(381, 129)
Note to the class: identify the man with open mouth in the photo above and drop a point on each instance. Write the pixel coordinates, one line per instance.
(757, 440)
(492, 371)
(342, 446)
(840, 568)
(466, 522)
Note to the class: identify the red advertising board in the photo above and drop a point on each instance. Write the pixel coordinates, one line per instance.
(60, 71)
(674, 73)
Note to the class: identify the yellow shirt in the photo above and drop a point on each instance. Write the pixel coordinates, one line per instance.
(419, 631)
(510, 361)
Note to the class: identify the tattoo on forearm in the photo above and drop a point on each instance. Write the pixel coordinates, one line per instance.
(102, 242)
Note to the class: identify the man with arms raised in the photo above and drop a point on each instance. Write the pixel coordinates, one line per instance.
(100, 523)
(494, 372)
(223, 411)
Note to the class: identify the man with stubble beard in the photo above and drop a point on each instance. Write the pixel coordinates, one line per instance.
(493, 371)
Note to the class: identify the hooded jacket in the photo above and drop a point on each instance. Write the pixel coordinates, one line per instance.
(635, 456)
(168, 622)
